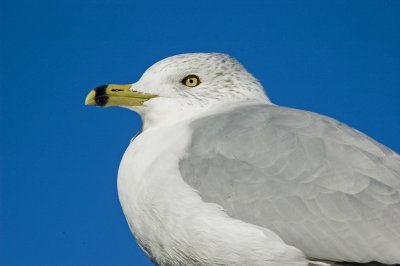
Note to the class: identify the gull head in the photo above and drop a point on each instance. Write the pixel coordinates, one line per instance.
(182, 86)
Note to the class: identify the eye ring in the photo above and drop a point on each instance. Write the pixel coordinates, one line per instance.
(191, 81)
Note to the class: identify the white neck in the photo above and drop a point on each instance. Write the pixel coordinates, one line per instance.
(161, 112)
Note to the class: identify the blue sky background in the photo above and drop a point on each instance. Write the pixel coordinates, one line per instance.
(59, 158)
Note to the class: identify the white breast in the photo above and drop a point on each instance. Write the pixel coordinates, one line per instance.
(171, 222)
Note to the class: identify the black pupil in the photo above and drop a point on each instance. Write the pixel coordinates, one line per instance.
(190, 80)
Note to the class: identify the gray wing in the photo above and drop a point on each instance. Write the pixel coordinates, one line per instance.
(324, 187)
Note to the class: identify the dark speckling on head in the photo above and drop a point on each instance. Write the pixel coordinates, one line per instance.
(222, 78)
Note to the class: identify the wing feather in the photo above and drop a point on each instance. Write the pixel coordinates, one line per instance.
(322, 186)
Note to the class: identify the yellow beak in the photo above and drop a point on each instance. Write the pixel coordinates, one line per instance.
(116, 95)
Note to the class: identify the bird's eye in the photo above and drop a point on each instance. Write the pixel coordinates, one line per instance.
(191, 81)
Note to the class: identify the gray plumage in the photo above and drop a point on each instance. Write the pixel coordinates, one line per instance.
(322, 186)
(219, 172)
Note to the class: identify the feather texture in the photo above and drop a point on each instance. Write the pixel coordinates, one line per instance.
(323, 187)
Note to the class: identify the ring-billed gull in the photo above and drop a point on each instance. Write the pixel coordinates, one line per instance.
(221, 176)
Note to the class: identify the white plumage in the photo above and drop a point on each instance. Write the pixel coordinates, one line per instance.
(221, 176)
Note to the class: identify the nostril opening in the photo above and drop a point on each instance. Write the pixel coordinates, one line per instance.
(117, 90)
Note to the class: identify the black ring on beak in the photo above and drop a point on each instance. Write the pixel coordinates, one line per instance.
(101, 97)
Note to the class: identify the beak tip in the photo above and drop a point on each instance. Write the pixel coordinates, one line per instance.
(90, 98)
